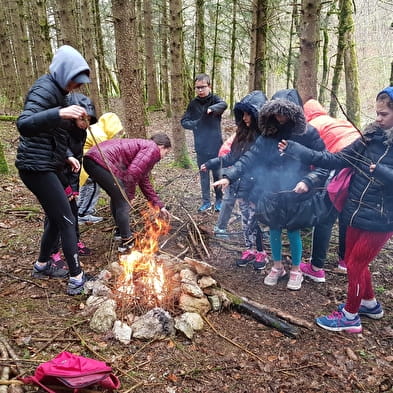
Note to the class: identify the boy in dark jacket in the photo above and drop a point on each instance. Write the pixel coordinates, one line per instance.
(203, 117)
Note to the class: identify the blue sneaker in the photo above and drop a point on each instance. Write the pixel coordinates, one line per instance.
(217, 206)
(373, 313)
(206, 206)
(337, 322)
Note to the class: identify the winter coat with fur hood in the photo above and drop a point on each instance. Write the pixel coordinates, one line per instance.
(131, 161)
(43, 134)
(369, 205)
(275, 173)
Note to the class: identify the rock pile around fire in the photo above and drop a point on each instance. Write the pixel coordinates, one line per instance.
(190, 293)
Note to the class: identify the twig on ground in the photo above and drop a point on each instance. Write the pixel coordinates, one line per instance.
(232, 342)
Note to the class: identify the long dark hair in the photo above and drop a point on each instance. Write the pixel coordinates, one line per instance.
(245, 136)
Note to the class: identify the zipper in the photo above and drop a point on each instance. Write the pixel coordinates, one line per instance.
(366, 188)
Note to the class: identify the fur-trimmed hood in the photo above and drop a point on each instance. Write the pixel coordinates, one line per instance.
(268, 124)
(373, 128)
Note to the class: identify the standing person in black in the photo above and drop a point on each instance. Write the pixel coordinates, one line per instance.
(41, 154)
(203, 117)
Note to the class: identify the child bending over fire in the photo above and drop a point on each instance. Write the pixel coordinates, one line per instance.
(118, 166)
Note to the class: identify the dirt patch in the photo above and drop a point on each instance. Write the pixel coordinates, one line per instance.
(233, 353)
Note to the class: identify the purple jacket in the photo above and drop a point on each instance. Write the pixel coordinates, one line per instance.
(131, 161)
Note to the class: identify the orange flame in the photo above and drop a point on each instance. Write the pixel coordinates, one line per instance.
(140, 267)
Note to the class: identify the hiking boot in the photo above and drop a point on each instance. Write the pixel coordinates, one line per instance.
(338, 322)
(295, 280)
(49, 270)
(126, 245)
(206, 206)
(373, 313)
(75, 286)
(217, 206)
(83, 251)
(260, 260)
(342, 265)
(221, 233)
(89, 219)
(315, 275)
(275, 274)
(247, 257)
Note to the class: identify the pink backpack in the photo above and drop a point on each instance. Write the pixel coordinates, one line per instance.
(73, 371)
(338, 188)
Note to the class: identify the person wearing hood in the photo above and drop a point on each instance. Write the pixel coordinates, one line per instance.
(69, 176)
(203, 117)
(246, 117)
(283, 179)
(44, 126)
(367, 212)
(337, 134)
(107, 127)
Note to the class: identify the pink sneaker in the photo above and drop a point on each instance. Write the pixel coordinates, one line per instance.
(261, 260)
(308, 271)
(247, 257)
(274, 275)
(295, 280)
(342, 265)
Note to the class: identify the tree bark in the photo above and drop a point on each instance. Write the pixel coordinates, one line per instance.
(129, 69)
(309, 43)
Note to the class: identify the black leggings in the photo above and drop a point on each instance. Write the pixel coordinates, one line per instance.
(49, 191)
(119, 205)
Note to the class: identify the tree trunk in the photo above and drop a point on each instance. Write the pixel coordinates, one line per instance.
(233, 60)
(309, 42)
(351, 68)
(215, 59)
(200, 52)
(179, 139)
(129, 70)
(260, 73)
(251, 68)
(67, 28)
(164, 60)
(88, 41)
(151, 75)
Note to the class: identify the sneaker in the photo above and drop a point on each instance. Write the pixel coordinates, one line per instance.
(217, 206)
(338, 322)
(49, 270)
(295, 280)
(75, 286)
(206, 206)
(89, 219)
(373, 313)
(275, 274)
(308, 271)
(83, 250)
(222, 233)
(342, 265)
(58, 261)
(126, 245)
(247, 257)
(260, 260)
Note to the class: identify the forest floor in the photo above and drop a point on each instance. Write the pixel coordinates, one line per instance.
(233, 353)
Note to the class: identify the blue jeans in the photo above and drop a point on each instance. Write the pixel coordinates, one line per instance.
(88, 197)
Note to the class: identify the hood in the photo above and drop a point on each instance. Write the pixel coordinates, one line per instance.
(85, 102)
(66, 64)
(269, 126)
(251, 103)
(374, 128)
(288, 94)
(313, 109)
(109, 123)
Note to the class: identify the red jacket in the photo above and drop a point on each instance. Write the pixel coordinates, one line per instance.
(131, 161)
(336, 133)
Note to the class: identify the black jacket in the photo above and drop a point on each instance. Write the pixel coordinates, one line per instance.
(206, 127)
(274, 173)
(369, 205)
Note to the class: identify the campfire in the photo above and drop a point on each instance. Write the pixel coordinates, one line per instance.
(142, 284)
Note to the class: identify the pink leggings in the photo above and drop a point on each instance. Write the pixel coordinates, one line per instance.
(361, 247)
